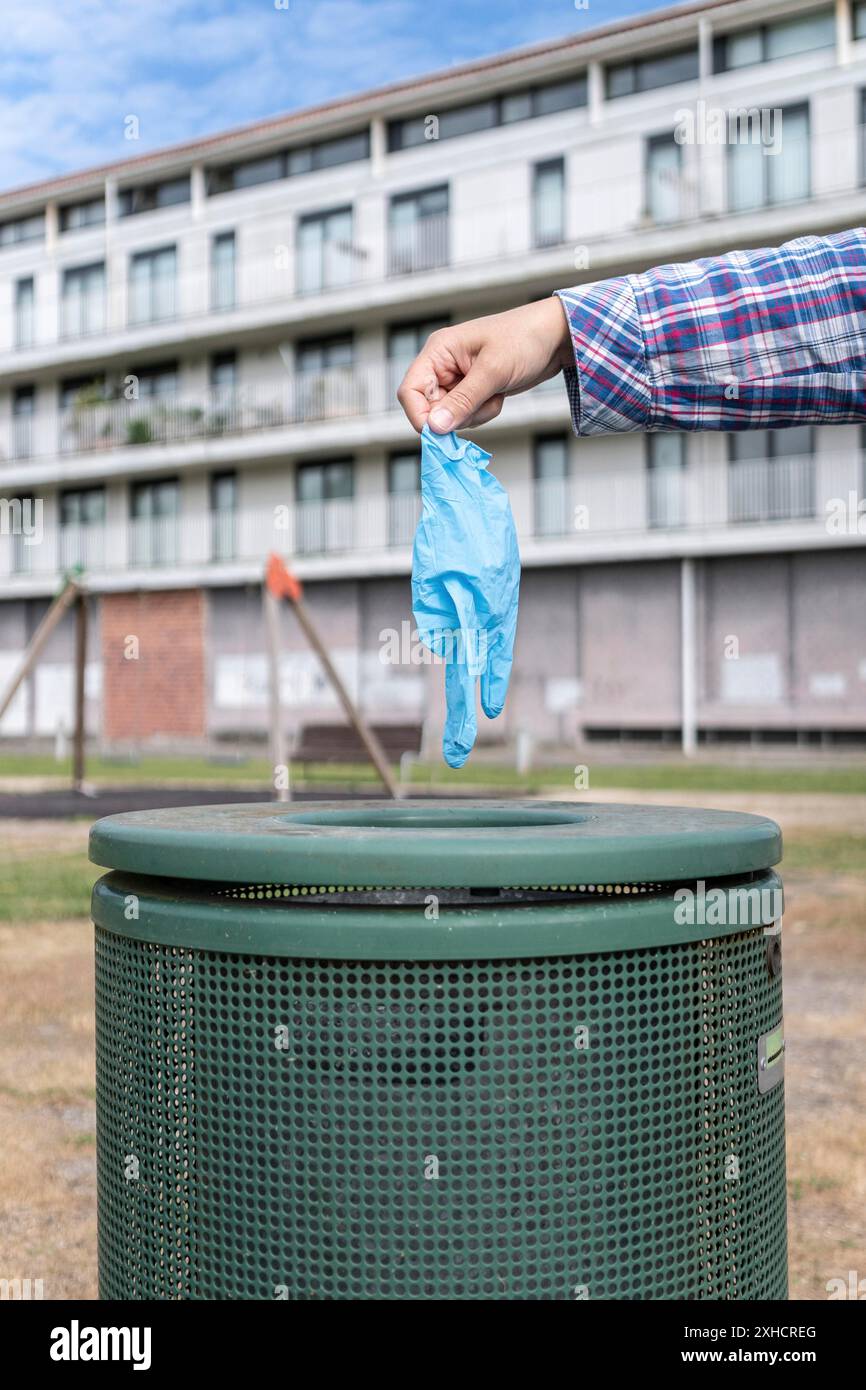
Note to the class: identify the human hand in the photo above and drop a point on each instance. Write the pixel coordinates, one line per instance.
(463, 373)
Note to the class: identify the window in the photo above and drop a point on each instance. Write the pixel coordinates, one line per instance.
(317, 354)
(23, 410)
(157, 379)
(645, 74)
(155, 509)
(466, 120)
(757, 178)
(324, 513)
(255, 171)
(222, 270)
(154, 415)
(551, 489)
(82, 506)
(87, 214)
(418, 230)
(82, 426)
(505, 109)
(782, 39)
(666, 461)
(771, 474)
(223, 511)
(82, 390)
(328, 154)
(404, 496)
(548, 203)
(22, 229)
(288, 163)
(152, 285)
(149, 197)
(82, 522)
(25, 311)
(83, 300)
(405, 341)
(326, 383)
(326, 256)
(226, 406)
(860, 19)
(224, 370)
(664, 159)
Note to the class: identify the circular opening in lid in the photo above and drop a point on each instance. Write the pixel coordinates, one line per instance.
(438, 818)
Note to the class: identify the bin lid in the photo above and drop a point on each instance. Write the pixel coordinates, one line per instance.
(459, 844)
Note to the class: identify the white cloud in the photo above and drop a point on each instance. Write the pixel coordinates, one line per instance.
(70, 74)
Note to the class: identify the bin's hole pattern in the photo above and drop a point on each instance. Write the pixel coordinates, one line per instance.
(566, 1167)
(384, 894)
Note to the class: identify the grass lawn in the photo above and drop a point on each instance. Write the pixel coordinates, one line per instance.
(646, 776)
(39, 886)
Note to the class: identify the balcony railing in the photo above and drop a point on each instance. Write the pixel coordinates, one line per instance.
(571, 515)
(336, 393)
(420, 245)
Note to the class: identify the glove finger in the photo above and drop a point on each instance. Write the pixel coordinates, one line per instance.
(461, 723)
(469, 641)
(495, 677)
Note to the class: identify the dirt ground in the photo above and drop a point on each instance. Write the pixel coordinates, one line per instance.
(47, 1124)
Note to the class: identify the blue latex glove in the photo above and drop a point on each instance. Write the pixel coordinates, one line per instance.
(465, 582)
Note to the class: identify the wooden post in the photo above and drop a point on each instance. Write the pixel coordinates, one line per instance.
(67, 595)
(80, 668)
(277, 739)
(282, 584)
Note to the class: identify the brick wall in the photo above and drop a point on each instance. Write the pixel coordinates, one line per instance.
(153, 662)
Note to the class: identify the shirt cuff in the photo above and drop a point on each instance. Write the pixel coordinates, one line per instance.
(608, 387)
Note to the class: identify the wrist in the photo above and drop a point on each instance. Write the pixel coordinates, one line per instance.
(562, 328)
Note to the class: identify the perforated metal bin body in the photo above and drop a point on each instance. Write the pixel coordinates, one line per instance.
(439, 1051)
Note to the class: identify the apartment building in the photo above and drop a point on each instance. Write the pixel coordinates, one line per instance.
(199, 350)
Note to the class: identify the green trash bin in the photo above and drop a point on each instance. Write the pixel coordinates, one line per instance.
(474, 1050)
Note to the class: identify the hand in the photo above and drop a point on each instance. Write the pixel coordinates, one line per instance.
(462, 374)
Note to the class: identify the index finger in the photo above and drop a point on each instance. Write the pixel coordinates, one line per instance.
(419, 390)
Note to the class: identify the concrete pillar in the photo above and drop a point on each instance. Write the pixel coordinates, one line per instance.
(688, 657)
(844, 32)
(115, 269)
(52, 227)
(197, 192)
(595, 92)
(705, 49)
(378, 146)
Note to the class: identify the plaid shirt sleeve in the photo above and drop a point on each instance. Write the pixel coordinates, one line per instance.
(750, 340)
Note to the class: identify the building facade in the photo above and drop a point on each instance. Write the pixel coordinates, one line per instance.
(199, 352)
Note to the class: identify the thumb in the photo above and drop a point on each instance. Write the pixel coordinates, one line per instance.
(477, 398)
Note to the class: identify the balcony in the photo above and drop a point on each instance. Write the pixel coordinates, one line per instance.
(363, 391)
(476, 242)
(762, 505)
(422, 245)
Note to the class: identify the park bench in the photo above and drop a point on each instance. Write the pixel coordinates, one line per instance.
(340, 743)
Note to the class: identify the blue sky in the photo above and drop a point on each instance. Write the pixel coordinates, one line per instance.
(71, 74)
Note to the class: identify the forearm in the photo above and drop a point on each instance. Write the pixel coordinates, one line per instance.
(754, 339)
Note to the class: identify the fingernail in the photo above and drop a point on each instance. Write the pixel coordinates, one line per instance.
(442, 420)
